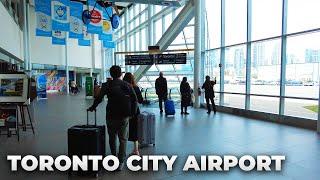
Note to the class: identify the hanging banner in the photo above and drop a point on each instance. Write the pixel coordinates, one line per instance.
(76, 24)
(43, 18)
(107, 30)
(86, 40)
(59, 37)
(109, 44)
(42, 86)
(96, 17)
(60, 14)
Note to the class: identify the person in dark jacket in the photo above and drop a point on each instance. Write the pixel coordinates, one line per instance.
(133, 122)
(161, 90)
(122, 102)
(185, 91)
(208, 87)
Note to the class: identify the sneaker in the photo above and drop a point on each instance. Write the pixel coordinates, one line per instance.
(186, 113)
(182, 112)
(121, 166)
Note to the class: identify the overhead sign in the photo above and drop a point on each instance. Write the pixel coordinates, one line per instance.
(76, 9)
(179, 58)
(43, 17)
(139, 59)
(60, 14)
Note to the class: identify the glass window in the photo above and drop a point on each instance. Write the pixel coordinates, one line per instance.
(232, 100)
(264, 104)
(213, 22)
(236, 21)
(158, 29)
(266, 18)
(303, 58)
(265, 67)
(168, 21)
(235, 69)
(212, 68)
(137, 47)
(301, 108)
(303, 15)
(144, 45)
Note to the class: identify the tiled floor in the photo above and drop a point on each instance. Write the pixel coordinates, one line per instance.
(197, 133)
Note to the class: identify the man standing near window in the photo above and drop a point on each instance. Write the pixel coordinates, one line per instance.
(161, 90)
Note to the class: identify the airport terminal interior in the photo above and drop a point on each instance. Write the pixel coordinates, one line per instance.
(263, 55)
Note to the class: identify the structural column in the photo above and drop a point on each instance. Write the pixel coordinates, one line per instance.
(203, 46)
(126, 30)
(197, 50)
(66, 62)
(26, 37)
(150, 25)
(93, 54)
(248, 56)
(222, 53)
(283, 56)
(103, 64)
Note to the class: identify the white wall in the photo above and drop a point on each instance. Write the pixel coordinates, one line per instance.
(43, 52)
(11, 38)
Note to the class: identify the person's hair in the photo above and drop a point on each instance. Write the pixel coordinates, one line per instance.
(115, 72)
(207, 77)
(129, 78)
(184, 79)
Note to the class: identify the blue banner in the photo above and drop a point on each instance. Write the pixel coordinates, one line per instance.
(42, 86)
(76, 9)
(96, 18)
(107, 30)
(43, 18)
(59, 37)
(60, 14)
(86, 41)
(109, 44)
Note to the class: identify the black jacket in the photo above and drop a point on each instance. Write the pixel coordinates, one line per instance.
(112, 110)
(208, 88)
(139, 97)
(161, 86)
(185, 91)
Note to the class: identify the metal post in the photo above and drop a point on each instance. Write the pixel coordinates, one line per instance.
(126, 29)
(103, 64)
(66, 62)
(222, 53)
(150, 26)
(283, 56)
(203, 46)
(248, 56)
(26, 47)
(93, 55)
(197, 50)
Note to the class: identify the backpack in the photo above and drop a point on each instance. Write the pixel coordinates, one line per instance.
(119, 99)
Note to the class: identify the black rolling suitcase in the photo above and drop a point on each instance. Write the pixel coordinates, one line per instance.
(87, 140)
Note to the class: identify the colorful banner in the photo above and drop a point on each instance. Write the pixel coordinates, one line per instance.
(42, 86)
(95, 25)
(43, 18)
(76, 24)
(56, 81)
(89, 86)
(107, 30)
(86, 41)
(109, 44)
(60, 14)
(59, 37)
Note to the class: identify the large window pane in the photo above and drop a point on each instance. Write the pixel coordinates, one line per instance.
(303, 15)
(303, 58)
(236, 21)
(212, 68)
(232, 100)
(266, 18)
(213, 10)
(235, 69)
(264, 104)
(265, 67)
(301, 108)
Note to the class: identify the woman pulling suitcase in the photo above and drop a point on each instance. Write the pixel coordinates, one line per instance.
(133, 122)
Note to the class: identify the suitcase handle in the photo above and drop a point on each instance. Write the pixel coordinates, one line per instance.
(95, 117)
